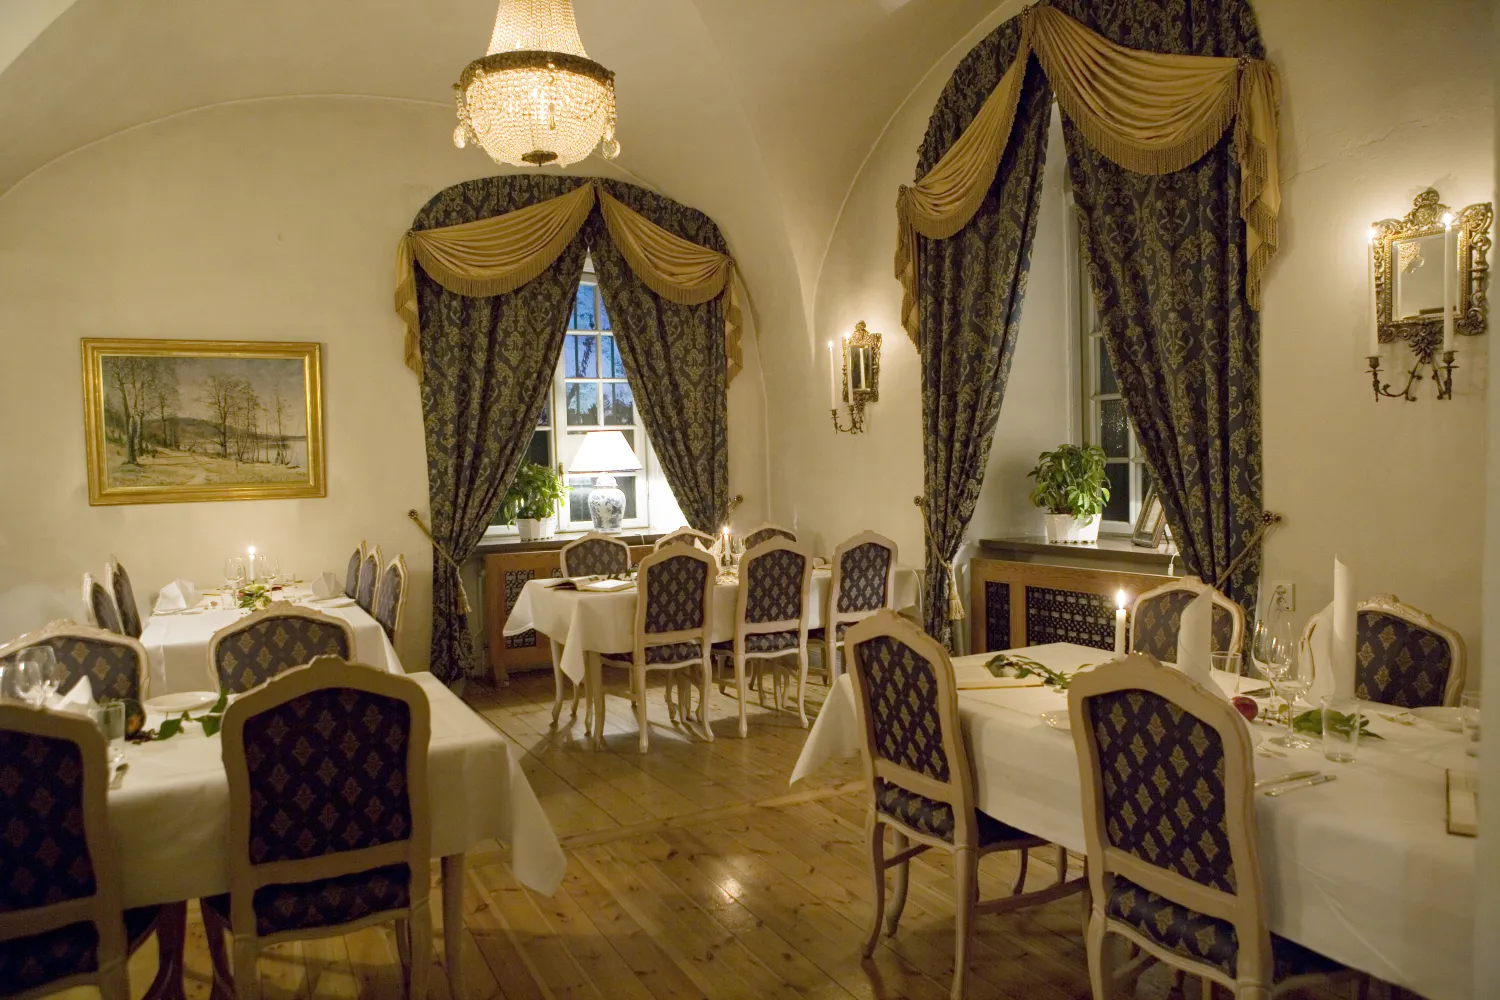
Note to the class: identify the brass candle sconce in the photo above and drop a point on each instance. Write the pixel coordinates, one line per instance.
(860, 382)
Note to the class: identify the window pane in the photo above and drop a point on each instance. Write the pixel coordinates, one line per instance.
(583, 404)
(603, 313)
(1107, 383)
(1114, 429)
(1118, 508)
(581, 356)
(619, 405)
(540, 449)
(583, 308)
(545, 420)
(610, 364)
(578, 496)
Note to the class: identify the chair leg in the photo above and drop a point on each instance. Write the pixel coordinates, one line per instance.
(965, 887)
(558, 681)
(704, 683)
(899, 843)
(223, 979)
(1020, 885)
(577, 695)
(638, 688)
(877, 868)
(420, 927)
(1101, 958)
(246, 975)
(739, 685)
(802, 685)
(114, 982)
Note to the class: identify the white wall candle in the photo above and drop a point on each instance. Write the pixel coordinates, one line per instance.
(833, 380)
(1374, 298)
(1120, 623)
(251, 568)
(1450, 264)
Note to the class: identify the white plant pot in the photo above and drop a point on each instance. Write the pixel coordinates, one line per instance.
(1060, 527)
(1086, 529)
(532, 529)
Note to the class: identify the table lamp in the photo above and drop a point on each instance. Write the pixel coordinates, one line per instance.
(605, 453)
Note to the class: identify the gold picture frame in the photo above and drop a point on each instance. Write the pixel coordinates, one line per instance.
(181, 421)
(1412, 248)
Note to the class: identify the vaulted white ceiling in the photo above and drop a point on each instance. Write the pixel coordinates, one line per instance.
(783, 98)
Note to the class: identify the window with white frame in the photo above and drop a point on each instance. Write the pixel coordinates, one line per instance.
(1105, 422)
(591, 393)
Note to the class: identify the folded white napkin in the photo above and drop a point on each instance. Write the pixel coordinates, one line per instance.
(1341, 641)
(179, 595)
(78, 699)
(327, 586)
(1195, 641)
(1318, 649)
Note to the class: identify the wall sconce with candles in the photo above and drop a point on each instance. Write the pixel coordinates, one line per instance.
(860, 368)
(1428, 285)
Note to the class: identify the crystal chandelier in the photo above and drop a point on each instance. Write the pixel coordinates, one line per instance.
(536, 97)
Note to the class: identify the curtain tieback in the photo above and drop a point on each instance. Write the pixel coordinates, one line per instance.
(463, 596)
(955, 598)
(1268, 520)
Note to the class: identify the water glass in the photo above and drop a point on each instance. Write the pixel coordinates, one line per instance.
(1229, 663)
(36, 675)
(1468, 717)
(109, 716)
(1342, 719)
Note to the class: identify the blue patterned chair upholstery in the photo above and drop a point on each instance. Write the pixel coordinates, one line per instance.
(595, 555)
(674, 620)
(1168, 796)
(351, 573)
(369, 579)
(1403, 657)
(115, 664)
(685, 536)
(256, 648)
(863, 574)
(58, 853)
(1158, 613)
(767, 532)
(327, 770)
(920, 783)
(118, 582)
(771, 612)
(99, 606)
(390, 598)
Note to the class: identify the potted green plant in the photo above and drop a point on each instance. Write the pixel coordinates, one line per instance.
(531, 501)
(1072, 488)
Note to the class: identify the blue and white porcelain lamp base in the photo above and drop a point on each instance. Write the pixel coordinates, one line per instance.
(607, 505)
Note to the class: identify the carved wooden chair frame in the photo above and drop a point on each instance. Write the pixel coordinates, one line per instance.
(1390, 604)
(1195, 586)
(279, 609)
(739, 657)
(66, 628)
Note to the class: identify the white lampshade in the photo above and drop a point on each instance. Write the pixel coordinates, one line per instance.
(605, 451)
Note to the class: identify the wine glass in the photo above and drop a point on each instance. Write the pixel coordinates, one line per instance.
(268, 570)
(234, 574)
(30, 684)
(1290, 675)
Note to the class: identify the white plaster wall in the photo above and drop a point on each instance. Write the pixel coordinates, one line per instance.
(262, 220)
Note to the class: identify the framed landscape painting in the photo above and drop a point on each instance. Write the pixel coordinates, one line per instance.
(171, 421)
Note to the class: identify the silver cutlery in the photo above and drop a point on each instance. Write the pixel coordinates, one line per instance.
(1291, 776)
(1264, 751)
(1321, 779)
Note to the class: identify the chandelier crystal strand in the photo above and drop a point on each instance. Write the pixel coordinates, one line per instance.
(536, 97)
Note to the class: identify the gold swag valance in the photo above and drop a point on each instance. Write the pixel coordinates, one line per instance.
(500, 254)
(1150, 112)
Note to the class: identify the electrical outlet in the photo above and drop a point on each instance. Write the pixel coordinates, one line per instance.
(1284, 595)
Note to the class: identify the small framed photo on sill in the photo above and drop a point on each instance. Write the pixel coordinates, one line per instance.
(1151, 525)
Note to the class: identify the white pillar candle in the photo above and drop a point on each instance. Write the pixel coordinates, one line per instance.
(1450, 264)
(251, 568)
(833, 380)
(1120, 623)
(1374, 299)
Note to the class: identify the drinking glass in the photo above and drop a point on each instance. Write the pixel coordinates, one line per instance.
(234, 575)
(1230, 664)
(1340, 745)
(1290, 675)
(109, 716)
(34, 670)
(1468, 716)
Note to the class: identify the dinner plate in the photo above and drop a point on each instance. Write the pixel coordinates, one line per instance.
(332, 602)
(1057, 719)
(182, 701)
(1441, 716)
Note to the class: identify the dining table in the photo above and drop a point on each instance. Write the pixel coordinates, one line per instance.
(177, 641)
(583, 623)
(1361, 869)
(169, 816)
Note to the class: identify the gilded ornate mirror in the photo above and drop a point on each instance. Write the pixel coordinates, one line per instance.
(861, 366)
(1409, 261)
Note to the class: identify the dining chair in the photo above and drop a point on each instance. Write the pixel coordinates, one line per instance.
(99, 607)
(62, 922)
(271, 641)
(390, 598)
(766, 532)
(117, 581)
(673, 629)
(595, 555)
(1157, 614)
(116, 665)
(685, 536)
(329, 826)
(1169, 824)
(862, 582)
(1403, 656)
(920, 782)
(351, 574)
(770, 617)
(369, 578)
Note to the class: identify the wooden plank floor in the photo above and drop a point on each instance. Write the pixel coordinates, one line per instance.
(694, 871)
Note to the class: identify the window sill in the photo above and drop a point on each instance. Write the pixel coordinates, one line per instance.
(510, 542)
(1115, 550)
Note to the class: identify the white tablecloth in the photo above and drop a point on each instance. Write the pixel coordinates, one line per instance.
(1361, 869)
(586, 622)
(177, 644)
(170, 816)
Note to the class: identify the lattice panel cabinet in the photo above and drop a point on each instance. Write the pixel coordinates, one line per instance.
(1016, 604)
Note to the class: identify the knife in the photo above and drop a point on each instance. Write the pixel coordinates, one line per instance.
(1291, 776)
(1319, 780)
